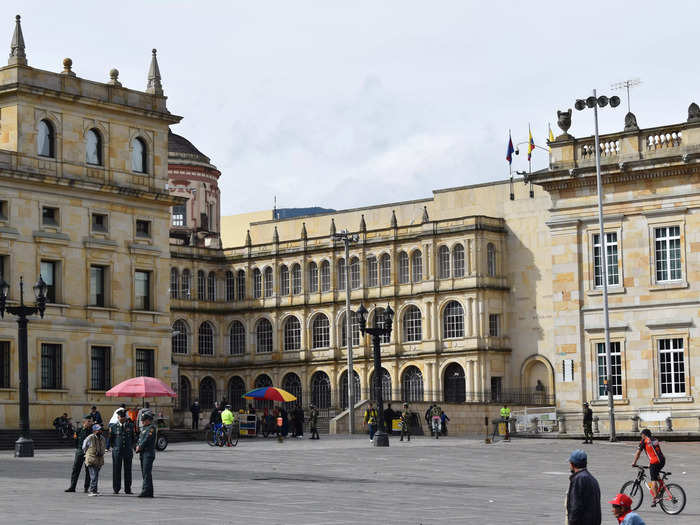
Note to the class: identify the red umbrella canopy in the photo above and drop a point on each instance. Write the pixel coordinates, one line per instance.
(141, 387)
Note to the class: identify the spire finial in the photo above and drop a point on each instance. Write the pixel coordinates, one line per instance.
(154, 86)
(394, 223)
(304, 235)
(425, 214)
(248, 240)
(275, 236)
(17, 54)
(332, 226)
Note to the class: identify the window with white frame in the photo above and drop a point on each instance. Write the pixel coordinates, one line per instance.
(320, 332)
(257, 284)
(453, 320)
(412, 325)
(240, 285)
(263, 336)
(236, 339)
(340, 266)
(174, 281)
(354, 273)
(230, 286)
(292, 334)
(296, 279)
(444, 262)
(211, 286)
(186, 284)
(372, 272)
(612, 260)
(355, 322)
(313, 277)
(385, 270)
(403, 268)
(284, 280)
(667, 253)
(615, 384)
(458, 260)
(416, 266)
(179, 337)
(206, 339)
(380, 321)
(671, 367)
(268, 282)
(325, 276)
(201, 286)
(491, 260)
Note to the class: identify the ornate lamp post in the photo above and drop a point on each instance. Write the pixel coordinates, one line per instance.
(24, 446)
(381, 438)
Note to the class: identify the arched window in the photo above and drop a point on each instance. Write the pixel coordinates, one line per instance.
(355, 330)
(179, 337)
(491, 260)
(257, 283)
(186, 284)
(269, 291)
(296, 279)
(263, 336)
(444, 262)
(356, 392)
(403, 268)
(261, 381)
(201, 286)
(354, 273)
(325, 276)
(284, 280)
(380, 319)
(185, 393)
(240, 285)
(372, 271)
(412, 385)
(206, 339)
(230, 286)
(93, 147)
(292, 333)
(139, 156)
(454, 385)
(416, 266)
(453, 320)
(211, 286)
(236, 339)
(385, 269)
(236, 389)
(320, 332)
(313, 277)
(174, 281)
(458, 260)
(340, 266)
(292, 384)
(207, 392)
(412, 325)
(386, 386)
(321, 390)
(46, 140)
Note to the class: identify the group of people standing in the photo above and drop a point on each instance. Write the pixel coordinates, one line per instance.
(371, 420)
(122, 440)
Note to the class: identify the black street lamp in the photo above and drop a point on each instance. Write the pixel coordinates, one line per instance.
(24, 446)
(381, 438)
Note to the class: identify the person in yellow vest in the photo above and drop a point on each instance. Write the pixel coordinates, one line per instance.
(371, 420)
(505, 417)
(228, 418)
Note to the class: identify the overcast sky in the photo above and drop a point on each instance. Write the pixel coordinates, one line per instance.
(344, 104)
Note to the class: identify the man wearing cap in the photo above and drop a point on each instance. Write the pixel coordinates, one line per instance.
(147, 450)
(96, 416)
(313, 422)
(583, 497)
(587, 423)
(405, 419)
(79, 459)
(621, 506)
(94, 447)
(122, 436)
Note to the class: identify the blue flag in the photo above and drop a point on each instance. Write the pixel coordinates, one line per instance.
(511, 149)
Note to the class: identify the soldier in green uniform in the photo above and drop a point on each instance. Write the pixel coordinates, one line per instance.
(147, 450)
(122, 436)
(79, 459)
(313, 422)
(405, 420)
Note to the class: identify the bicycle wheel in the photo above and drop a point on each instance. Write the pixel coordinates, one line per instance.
(220, 438)
(635, 492)
(210, 438)
(673, 501)
(235, 435)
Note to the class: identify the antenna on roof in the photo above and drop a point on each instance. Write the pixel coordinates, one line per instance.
(274, 208)
(626, 84)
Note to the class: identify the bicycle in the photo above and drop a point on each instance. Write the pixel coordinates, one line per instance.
(671, 496)
(216, 435)
(235, 433)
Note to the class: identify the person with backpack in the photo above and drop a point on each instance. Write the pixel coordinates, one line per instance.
(656, 461)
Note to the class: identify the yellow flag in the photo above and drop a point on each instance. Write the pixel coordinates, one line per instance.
(551, 135)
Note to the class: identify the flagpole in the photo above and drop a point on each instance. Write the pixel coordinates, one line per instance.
(510, 169)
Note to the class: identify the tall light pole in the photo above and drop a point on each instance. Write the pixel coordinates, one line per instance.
(347, 238)
(24, 446)
(595, 102)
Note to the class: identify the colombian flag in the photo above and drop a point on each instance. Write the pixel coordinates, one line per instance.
(511, 149)
(530, 144)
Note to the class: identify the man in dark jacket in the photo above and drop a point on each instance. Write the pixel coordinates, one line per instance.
(215, 417)
(195, 409)
(583, 498)
(79, 459)
(587, 423)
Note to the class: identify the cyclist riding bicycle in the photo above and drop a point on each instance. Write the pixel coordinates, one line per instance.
(656, 461)
(228, 419)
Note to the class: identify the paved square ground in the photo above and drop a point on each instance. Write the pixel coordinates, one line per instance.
(341, 481)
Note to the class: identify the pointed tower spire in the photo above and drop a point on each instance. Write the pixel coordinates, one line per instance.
(425, 214)
(332, 226)
(275, 236)
(304, 235)
(363, 224)
(154, 86)
(394, 224)
(17, 54)
(248, 241)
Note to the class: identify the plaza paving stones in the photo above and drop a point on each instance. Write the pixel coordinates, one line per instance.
(338, 481)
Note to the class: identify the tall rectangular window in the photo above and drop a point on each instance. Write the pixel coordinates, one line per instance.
(99, 368)
(325, 276)
(671, 367)
(144, 362)
(611, 259)
(142, 284)
(341, 274)
(48, 274)
(494, 325)
(240, 285)
(4, 268)
(4, 214)
(97, 286)
(51, 366)
(4, 364)
(667, 251)
(372, 272)
(615, 384)
(179, 215)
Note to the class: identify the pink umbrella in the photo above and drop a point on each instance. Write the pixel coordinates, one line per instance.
(141, 387)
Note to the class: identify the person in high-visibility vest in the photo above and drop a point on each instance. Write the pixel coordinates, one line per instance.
(505, 417)
(228, 419)
(371, 420)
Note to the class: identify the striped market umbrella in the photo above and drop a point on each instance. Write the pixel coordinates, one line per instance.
(270, 393)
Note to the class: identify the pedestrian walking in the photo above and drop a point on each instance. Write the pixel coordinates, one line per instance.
(405, 421)
(94, 447)
(443, 422)
(370, 420)
(435, 418)
(583, 497)
(621, 509)
(389, 415)
(427, 419)
(147, 451)
(313, 422)
(79, 458)
(587, 423)
(505, 418)
(195, 409)
(122, 439)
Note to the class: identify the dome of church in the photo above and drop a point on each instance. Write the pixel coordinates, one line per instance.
(180, 147)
